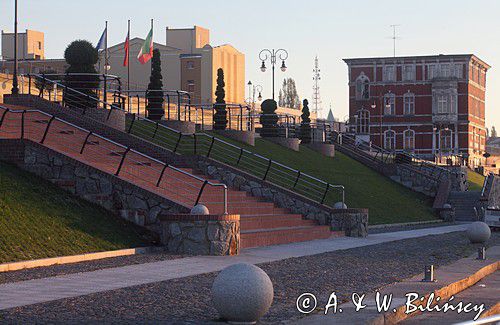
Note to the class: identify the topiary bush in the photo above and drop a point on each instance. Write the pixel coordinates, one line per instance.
(220, 116)
(155, 89)
(81, 75)
(305, 124)
(269, 119)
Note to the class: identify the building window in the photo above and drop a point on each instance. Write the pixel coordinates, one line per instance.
(363, 121)
(442, 104)
(409, 103)
(389, 73)
(432, 71)
(190, 65)
(362, 87)
(190, 86)
(445, 70)
(458, 71)
(39, 45)
(445, 138)
(390, 104)
(390, 140)
(409, 73)
(409, 140)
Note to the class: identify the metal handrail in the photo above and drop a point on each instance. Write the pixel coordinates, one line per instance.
(124, 147)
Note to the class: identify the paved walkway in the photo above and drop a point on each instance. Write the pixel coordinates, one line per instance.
(79, 284)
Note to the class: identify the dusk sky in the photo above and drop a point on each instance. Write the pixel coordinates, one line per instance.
(330, 29)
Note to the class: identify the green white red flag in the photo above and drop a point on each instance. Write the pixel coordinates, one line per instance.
(146, 52)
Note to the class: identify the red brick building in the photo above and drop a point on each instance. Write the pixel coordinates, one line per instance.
(432, 106)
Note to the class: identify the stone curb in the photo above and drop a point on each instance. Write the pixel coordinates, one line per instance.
(416, 223)
(15, 266)
(444, 292)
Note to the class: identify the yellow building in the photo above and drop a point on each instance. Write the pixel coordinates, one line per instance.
(30, 45)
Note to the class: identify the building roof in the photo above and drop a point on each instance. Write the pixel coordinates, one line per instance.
(416, 57)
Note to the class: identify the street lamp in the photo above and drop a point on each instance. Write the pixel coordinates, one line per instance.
(252, 90)
(272, 55)
(15, 87)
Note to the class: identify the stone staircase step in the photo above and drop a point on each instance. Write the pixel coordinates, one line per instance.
(277, 236)
(274, 221)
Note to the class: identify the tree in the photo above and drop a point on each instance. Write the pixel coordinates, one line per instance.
(288, 96)
(493, 132)
(330, 117)
(220, 116)
(269, 119)
(81, 75)
(305, 124)
(44, 84)
(154, 93)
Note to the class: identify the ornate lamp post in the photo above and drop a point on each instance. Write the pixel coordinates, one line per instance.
(272, 55)
(252, 90)
(15, 87)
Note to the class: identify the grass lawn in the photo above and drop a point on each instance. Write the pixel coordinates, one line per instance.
(39, 220)
(476, 180)
(387, 201)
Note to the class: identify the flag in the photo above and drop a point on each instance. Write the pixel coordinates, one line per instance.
(101, 45)
(127, 48)
(146, 52)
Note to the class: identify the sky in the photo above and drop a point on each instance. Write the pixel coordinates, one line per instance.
(330, 29)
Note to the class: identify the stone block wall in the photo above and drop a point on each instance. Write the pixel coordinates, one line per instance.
(354, 222)
(122, 198)
(201, 234)
(284, 198)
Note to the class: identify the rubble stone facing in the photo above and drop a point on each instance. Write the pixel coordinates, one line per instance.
(201, 234)
(127, 200)
(285, 199)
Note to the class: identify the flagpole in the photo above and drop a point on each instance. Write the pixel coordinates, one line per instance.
(128, 68)
(106, 65)
(152, 41)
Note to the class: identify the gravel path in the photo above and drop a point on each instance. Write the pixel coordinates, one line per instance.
(187, 300)
(62, 269)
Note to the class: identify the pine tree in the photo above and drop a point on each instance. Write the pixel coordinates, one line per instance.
(305, 124)
(154, 94)
(220, 116)
(269, 119)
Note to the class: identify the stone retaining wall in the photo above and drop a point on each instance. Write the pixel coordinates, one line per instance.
(122, 198)
(284, 198)
(290, 143)
(247, 137)
(325, 149)
(354, 222)
(201, 234)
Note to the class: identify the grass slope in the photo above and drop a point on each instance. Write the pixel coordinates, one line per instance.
(387, 201)
(39, 220)
(476, 180)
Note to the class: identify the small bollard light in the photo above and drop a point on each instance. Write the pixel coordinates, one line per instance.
(481, 253)
(429, 274)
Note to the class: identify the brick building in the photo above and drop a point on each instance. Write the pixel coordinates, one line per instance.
(432, 106)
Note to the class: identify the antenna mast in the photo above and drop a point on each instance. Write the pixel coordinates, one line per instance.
(394, 37)
(316, 93)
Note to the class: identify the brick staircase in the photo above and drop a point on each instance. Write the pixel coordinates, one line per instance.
(262, 223)
(464, 203)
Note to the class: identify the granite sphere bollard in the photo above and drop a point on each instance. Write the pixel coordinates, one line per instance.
(242, 293)
(447, 206)
(340, 205)
(478, 232)
(200, 209)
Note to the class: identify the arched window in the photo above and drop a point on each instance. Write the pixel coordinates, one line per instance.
(363, 122)
(409, 140)
(445, 140)
(362, 87)
(390, 140)
(390, 104)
